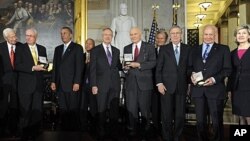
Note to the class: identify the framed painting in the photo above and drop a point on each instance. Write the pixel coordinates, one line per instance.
(46, 16)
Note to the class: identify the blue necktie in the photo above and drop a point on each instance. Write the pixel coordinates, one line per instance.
(205, 54)
(177, 54)
(109, 56)
(64, 49)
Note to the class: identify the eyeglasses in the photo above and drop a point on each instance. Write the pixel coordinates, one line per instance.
(29, 35)
(175, 33)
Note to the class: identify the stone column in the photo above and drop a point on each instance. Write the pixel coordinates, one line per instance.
(244, 10)
(232, 25)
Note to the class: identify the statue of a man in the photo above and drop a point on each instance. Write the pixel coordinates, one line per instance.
(121, 26)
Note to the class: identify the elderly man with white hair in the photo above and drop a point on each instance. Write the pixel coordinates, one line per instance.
(8, 94)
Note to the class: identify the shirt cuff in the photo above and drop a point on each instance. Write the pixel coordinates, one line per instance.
(213, 80)
(158, 84)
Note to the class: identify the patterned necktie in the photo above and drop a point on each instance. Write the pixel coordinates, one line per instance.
(205, 54)
(34, 54)
(109, 56)
(12, 56)
(136, 53)
(177, 54)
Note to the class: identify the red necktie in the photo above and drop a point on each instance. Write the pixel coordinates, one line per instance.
(12, 56)
(136, 53)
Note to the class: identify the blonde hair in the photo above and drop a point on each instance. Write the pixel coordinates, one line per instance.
(247, 27)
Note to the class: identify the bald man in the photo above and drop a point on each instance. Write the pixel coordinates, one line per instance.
(139, 79)
(212, 60)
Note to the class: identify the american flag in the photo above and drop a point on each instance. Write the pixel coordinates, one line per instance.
(154, 29)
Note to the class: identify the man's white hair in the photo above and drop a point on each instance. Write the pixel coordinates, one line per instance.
(6, 32)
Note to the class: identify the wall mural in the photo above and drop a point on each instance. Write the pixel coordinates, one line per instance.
(47, 16)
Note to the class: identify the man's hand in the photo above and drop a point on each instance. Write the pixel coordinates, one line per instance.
(209, 82)
(53, 86)
(162, 89)
(76, 87)
(134, 65)
(94, 90)
(193, 79)
(38, 68)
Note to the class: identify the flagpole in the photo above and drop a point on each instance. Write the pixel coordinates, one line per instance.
(154, 26)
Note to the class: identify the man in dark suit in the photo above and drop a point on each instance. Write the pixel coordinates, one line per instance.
(161, 39)
(88, 100)
(8, 94)
(66, 79)
(105, 79)
(212, 62)
(139, 80)
(171, 80)
(30, 83)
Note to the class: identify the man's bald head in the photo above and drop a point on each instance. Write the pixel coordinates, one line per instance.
(135, 34)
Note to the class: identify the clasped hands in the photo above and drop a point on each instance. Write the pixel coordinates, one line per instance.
(38, 68)
(132, 65)
(208, 82)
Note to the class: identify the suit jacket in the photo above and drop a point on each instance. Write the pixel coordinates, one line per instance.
(143, 75)
(103, 75)
(28, 81)
(173, 76)
(9, 76)
(67, 67)
(239, 79)
(218, 65)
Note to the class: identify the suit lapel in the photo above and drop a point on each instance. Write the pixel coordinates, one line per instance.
(199, 53)
(212, 52)
(6, 53)
(28, 52)
(236, 59)
(67, 51)
(113, 55)
(171, 52)
(141, 53)
(182, 53)
(103, 53)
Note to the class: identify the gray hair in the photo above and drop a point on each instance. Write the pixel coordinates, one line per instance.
(6, 32)
(175, 26)
(33, 30)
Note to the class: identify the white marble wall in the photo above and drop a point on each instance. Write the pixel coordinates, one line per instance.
(142, 12)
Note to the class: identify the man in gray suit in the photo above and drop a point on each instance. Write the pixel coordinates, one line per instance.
(139, 79)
